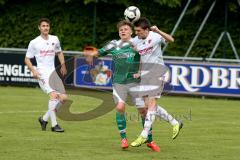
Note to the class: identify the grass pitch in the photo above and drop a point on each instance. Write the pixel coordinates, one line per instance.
(211, 130)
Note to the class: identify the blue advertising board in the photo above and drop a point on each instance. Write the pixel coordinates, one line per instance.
(204, 78)
(99, 75)
(183, 77)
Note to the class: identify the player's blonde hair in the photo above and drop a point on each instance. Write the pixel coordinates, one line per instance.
(123, 23)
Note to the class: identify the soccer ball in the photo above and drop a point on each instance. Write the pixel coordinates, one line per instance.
(132, 14)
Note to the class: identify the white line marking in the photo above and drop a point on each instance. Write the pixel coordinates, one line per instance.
(13, 112)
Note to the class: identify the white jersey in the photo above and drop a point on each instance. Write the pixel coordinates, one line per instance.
(44, 51)
(150, 48)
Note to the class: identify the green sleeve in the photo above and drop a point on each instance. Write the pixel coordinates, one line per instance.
(102, 52)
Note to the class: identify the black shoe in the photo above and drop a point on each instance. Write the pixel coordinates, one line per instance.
(42, 123)
(57, 128)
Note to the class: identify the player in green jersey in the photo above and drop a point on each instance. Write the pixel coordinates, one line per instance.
(126, 62)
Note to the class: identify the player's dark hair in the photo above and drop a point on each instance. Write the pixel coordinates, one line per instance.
(143, 22)
(123, 23)
(43, 20)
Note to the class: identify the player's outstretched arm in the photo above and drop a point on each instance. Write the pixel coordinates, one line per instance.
(63, 69)
(166, 36)
(35, 73)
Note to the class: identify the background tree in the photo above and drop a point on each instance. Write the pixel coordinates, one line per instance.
(72, 21)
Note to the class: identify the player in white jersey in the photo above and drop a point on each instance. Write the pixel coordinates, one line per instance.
(44, 48)
(148, 44)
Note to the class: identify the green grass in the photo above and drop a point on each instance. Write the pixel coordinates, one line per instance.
(211, 131)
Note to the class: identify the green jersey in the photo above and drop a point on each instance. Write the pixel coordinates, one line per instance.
(125, 59)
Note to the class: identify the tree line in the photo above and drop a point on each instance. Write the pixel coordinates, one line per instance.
(74, 23)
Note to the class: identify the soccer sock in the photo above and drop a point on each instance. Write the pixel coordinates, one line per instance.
(121, 123)
(52, 104)
(46, 116)
(150, 139)
(150, 118)
(162, 113)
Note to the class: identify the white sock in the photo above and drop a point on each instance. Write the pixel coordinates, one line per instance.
(46, 116)
(52, 104)
(150, 118)
(162, 113)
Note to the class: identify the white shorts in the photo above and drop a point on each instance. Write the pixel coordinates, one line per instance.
(121, 92)
(142, 91)
(152, 81)
(51, 83)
